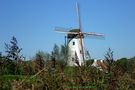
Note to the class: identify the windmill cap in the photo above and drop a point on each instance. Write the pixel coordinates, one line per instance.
(74, 30)
(74, 35)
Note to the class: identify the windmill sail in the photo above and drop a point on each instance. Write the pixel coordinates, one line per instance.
(79, 23)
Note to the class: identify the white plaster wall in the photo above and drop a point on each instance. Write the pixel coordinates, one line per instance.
(75, 48)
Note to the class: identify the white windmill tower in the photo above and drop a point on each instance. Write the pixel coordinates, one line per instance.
(76, 55)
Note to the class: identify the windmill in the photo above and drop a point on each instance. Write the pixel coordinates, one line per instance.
(75, 42)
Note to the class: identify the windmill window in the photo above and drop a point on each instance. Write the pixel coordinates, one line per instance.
(80, 52)
(72, 59)
(73, 43)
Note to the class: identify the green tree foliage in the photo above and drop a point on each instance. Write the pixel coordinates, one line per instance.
(89, 62)
(109, 58)
(35, 73)
(13, 51)
(60, 53)
(0, 54)
(64, 52)
(40, 60)
(47, 56)
(123, 64)
(81, 78)
(56, 51)
(124, 82)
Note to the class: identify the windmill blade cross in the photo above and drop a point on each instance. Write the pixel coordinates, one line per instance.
(78, 32)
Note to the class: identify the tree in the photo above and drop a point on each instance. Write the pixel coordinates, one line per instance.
(47, 56)
(14, 53)
(124, 82)
(0, 54)
(109, 58)
(56, 51)
(64, 53)
(39, 60)
(60, 54)
(123, 64)
(1, 64)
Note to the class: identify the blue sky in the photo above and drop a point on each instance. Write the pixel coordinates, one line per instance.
(32, 22)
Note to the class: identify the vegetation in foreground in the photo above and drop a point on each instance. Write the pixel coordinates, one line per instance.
(49, 72)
